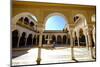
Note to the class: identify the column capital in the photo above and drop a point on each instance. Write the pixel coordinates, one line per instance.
(72, 25)
(91, 25)
(90, 30)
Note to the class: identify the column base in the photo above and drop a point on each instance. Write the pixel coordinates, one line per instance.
(38, 61)
(73, 58)
(93, 57)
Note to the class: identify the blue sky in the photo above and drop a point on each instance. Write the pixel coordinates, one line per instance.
(55, 23)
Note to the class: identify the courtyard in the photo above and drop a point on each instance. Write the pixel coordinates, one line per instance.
(55, 55)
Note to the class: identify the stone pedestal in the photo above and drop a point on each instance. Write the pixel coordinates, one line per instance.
(38, 61)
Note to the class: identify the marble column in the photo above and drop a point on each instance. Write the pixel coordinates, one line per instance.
(72, 46)
(39, 49)
(48, 40)
(86, 40)
(40, 29)
(94, 32)
(78, 41)
(90, 43)
(74, 40)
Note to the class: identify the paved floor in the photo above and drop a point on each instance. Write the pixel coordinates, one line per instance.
(60, 54)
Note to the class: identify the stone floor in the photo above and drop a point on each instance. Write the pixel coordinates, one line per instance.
(56, 55)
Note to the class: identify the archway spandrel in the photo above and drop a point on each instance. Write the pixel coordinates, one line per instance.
(17, 11)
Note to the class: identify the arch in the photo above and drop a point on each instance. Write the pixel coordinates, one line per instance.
(31, 23)
(43, 39)
(59, 39)
(75, 18)
(26, 20)
(82, 17)
(53, 39)
(64, 39)
(81, 27)
(29, 40)
(34, 40)
(80, 31)
(15, 38)
(22, 40)
(82, 39)
(18, 16)
(56, 14)
(21, 19)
